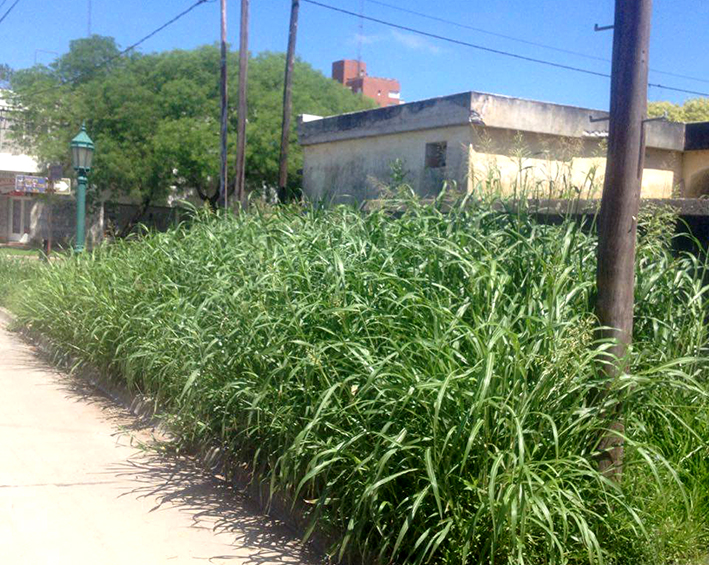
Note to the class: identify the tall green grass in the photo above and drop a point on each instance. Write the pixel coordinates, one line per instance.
(420, 383)
(16, 272)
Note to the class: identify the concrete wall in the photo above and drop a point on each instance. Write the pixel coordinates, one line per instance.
(358, 169)
(509, 162)
(518, 114)
(496, 142)
(415, 116)
(696, 173)
(55, 218)
(539, 166)
(515, 162)
(60, 214)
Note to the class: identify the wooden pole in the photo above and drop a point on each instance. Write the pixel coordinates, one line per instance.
(620, 203)
(242, 109)
(287, 87)
(223, 196)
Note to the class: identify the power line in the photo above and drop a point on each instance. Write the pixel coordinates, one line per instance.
(459, 42)
(485, 31)
(524, 41)
(675, 89)
(122, 53)
(492, 50)
(8, 10)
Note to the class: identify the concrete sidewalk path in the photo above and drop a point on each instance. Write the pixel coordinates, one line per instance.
(76, 489)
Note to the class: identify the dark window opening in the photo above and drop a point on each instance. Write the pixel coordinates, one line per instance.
(436, 155)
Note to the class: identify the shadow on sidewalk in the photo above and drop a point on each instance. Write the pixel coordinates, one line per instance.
(176, 481)
(215, 505)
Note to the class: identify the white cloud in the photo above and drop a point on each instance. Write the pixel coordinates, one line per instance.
(368, 39)
(415, 42)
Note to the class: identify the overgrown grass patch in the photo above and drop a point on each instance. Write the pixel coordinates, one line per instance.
(16, 272)
(421, 383)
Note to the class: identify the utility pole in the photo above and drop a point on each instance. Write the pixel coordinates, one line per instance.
(360, 39)
(225, 110)
(617, 225)
(285, 131)
(242, 109)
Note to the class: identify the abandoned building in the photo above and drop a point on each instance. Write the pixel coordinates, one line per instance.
(487, 142)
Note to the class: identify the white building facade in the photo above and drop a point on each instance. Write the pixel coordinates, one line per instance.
(23, 216)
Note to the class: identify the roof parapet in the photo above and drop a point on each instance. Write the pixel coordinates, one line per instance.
(490, 110)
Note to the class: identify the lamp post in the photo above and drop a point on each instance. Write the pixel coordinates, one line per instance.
(82, 152)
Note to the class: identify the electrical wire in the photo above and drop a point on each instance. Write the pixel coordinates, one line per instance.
(491, 50)
(458, 41)
(118, 55)
(524, 41)
(8, 10)
(485, 31)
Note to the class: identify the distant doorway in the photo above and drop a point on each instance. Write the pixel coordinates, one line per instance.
(20, 219)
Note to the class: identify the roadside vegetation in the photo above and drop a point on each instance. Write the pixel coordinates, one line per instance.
(422, 384)
(16, 272)
(19, 252)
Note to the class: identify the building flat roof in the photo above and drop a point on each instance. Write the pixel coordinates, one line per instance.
(494, 111)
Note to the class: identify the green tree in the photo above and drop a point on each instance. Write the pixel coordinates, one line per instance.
(5, 75)
(155, 117)
(693, 110)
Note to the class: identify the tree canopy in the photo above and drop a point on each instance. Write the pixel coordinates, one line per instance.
(5, 74)
(693, 110)
(155, 117)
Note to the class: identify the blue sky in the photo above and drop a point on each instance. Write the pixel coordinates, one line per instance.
(425, 67)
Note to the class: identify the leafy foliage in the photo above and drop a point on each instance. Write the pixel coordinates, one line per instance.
(155, 118)
(420, 383)
(5, 75)
(693, 110)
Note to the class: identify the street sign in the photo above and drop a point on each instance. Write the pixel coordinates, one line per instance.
(30, 185)
(56, 172)
(61, 186)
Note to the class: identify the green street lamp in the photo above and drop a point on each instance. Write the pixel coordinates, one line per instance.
(82, 152)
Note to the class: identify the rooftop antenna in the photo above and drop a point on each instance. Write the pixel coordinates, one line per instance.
(360, 38)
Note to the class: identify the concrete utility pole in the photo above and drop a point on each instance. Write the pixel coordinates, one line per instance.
(242, 110)
(620, 203)
(223, 197)
(285, 131)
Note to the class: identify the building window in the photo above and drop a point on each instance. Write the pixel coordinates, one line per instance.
(395, 94)
(436, 155)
